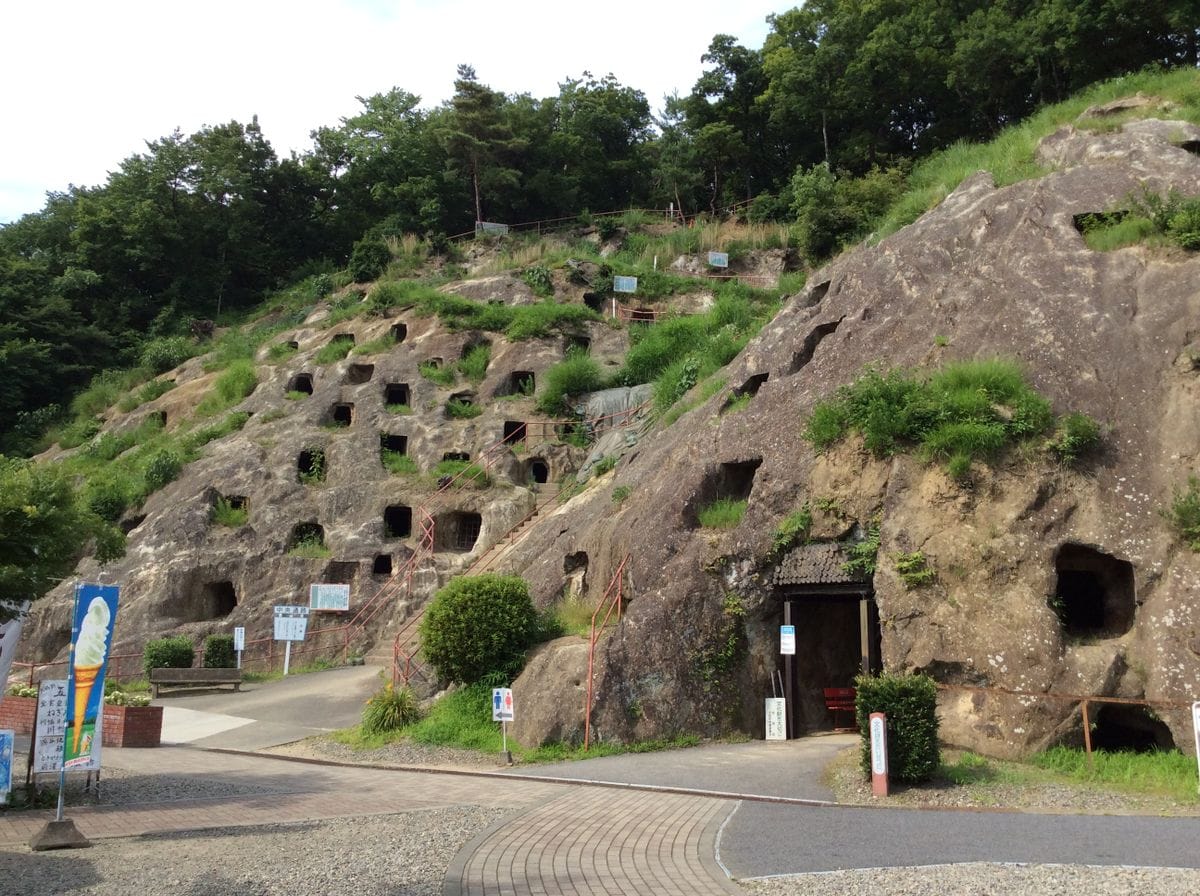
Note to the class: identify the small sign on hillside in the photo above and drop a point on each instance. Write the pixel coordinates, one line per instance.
(718, 259)
(624, 284)
(491, 228)
(332, 597)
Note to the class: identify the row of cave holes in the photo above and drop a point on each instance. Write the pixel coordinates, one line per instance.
(454, 531)
(311, 463)
(519, 382)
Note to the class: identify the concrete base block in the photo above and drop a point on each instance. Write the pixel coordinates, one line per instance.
(59, 835)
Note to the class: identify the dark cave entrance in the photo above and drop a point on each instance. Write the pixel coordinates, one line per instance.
(1130, 728)
(397, 521)
(397, 394)
(458, 531)
(301, 382)
(539, 471)
(1094, 595)
(382, 565)
(217, 600)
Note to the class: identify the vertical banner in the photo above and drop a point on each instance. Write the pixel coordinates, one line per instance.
(10, 633)
(6, 757)
(91, 638)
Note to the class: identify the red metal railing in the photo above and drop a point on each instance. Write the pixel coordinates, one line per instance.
(611, 601)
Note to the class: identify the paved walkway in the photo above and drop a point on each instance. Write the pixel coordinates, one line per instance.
(752, 803)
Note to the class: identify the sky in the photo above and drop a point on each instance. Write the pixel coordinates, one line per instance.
(88, 83)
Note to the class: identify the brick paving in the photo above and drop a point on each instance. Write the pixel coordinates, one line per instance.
(566, 839)
(599, 841)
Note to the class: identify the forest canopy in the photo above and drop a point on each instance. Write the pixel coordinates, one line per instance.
(838, 102)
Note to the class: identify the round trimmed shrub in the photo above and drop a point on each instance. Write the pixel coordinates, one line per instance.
(219, 652)
(177, 652)
(368, 259)
(478, 626)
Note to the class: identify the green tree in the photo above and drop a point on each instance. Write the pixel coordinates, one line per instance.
(477, 626)
(43, 531)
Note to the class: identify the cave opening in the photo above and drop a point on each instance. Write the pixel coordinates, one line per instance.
(1094, 594)
(397, 521)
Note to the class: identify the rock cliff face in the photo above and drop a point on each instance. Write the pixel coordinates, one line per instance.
(989, 272)
(992, 271)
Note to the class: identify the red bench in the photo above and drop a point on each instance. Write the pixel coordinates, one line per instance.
(840, 700)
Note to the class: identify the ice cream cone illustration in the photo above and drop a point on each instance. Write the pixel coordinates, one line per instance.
(91, 646)
(85, 678)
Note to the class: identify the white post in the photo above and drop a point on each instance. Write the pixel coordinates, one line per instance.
(287, 656)
(1196, 729)
(504, 737)
(614, 306)
(239, 659)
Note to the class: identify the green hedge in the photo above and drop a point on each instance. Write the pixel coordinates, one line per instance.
(910, 702)
(169, 653)
(478, 626)
(219, 653)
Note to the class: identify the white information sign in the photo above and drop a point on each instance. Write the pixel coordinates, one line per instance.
(291, 623)
(52, 727)
(624, 284)
(491, 228)
(718, 259)
(239, 639)
(502, 705)
(329, 597)
(878, 745)
(776, 718)
(787, 639)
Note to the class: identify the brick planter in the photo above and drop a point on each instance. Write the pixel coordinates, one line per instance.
(132, 726)
(16, 713)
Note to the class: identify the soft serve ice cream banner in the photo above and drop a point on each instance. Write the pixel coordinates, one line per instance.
(91, 638)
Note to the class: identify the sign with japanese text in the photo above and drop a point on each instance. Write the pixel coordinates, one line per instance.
(776, 718)
(51, 730)
(329, 597)
(291, 623)
(239, 638)
(718, 259)
(624, 284)
(91, 638)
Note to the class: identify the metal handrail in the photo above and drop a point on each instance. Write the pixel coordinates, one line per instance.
(613, 600)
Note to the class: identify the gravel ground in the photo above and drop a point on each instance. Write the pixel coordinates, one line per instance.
(398, 753)
(396, 855)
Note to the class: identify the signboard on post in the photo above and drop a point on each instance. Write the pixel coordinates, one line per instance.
(329, 597)
(239, 643)
(491, 228)
(879, 757)
(502, 705)
(624, 284)
(50, 731)
(291, 623)
(787, 640)
(718, 259)
(776, 718)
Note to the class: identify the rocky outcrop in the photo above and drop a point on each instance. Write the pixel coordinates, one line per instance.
(992, 271)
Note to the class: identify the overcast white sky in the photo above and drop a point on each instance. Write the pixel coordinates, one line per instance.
(87, 83)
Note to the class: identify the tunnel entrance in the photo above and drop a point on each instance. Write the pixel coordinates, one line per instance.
(1094, 595)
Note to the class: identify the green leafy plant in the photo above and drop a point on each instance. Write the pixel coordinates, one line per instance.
(124, 698)
(316, 467)
(435, 373)
(910, 703)
(793, 530)
(463, 473)
(167, 352)
(913, 570)
(310, 547)
(396, 463)
(605, 465)
(863, 554)
(474, 363)
(478, 626)
(389, 709)
(236, 382)
(163, 467)
(1076, 436)
(369, 258)
(332, 351)
(401, 409)
(296, 395)
(1184, 512)
(219, 652)
(723, 513)
(539, 280)
(576, 374)
(225, 514)
(375, 346)
(176, 652)
(462, 409)
(281, 350)
(620, 493)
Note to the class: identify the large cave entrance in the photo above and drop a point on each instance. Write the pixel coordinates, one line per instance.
(1129, 728)
(836, 630)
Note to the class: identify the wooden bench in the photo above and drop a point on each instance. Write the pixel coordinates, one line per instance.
(193, 678)
(840, 700)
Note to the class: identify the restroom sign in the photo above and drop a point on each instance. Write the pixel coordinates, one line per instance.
(502, 705)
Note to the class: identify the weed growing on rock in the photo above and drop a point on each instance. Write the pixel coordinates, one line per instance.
(723, 513)
(913, 570)
(1184, 513)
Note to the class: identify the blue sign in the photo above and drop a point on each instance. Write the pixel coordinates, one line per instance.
(624, 284)
(718, 259)
(787, 639)
(6, 755)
